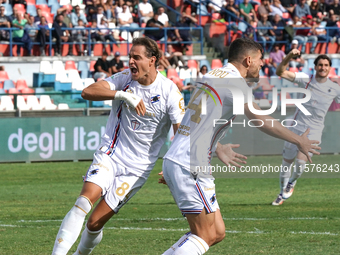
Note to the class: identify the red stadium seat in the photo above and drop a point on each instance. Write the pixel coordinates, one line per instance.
(20, 8)
(332, 72)
(192, 64)
(216, 63)
(3, 76)
(285, 15)
(70, 65)
(21, 84)
(44, 8)
(216, 15)
(92, 63)
(172, 72)
(294, 69)
(27, 91)
(30, 2)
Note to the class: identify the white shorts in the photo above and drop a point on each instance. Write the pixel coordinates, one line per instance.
(190, 196)
(118, 184)
(290, 150)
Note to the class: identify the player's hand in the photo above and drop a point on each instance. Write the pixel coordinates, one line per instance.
(307, 145)
(229, 157)
(295, 53)
(161, 180)
(140, 108)
(132, 100)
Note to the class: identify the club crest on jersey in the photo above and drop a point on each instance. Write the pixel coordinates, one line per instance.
(155, 99)
(135, 124)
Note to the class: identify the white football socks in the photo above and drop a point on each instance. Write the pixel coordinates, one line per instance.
(89, 240)
(298, 170)
(284, 175)
(192, 245)
(171, 250)
(71, 226)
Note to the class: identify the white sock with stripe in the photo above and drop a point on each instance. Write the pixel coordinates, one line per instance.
(191, 245)
(89, 240)
(284, 175)
(298, 170)
(171, 250)
(71, 226)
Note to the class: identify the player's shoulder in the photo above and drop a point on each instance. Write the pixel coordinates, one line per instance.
(333, 84)
(120, 76)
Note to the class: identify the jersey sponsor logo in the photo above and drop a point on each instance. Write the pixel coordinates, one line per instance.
(93, 172)
(126, 72)
(135, 124)
(155, 99)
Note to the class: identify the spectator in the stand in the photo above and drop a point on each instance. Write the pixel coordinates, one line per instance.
(320, 31)
(119, 7)
(302, 9)
(125, 19)
(265, 36)
(109, 9)
(43, 35)
(100, 13)
(289, 5)
(91, 10)
(324, 8)
(102, 67)
(21, 35)
(215, 5)
(39, 15)
(278, 22)
(203, 70)
(80, 37)
(163, 61)
(249, 33)
(264, 8)
(233, 8)
(13, 15)
(154, 34)
(94, 35)
(296, 61)
(183, 35)
(116, 65)
(5, 23)
(105, 34)
(277, 8)
(77, 15)
(314, 8)
(334, 33)
(247, 11)
(304, 35)
(334, 8)
(275, 58)
(66, 12)
(163, 17)
(60, 34)
(145, 11)
(173, 56)
(14, 2)
(32, 28)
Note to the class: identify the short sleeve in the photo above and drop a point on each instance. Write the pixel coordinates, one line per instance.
(175, 105)
(119, 80)
(337, 98)
(302, 79)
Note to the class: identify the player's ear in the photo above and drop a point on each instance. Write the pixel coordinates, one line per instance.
(152, 61)
(247, 61)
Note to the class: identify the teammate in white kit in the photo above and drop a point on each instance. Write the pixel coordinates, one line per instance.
(144, 106)
(189, 154)
(323, 91)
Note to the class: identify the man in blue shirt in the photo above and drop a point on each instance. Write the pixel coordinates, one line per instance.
(302, 9)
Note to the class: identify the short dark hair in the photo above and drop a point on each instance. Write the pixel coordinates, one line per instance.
(240, 47)
(105, 53)
(322, 56)
(151, 47)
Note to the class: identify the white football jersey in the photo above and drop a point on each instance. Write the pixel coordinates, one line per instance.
(135, 141)
(193, 143)
(322, 95)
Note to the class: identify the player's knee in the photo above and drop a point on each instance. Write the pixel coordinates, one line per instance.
(220, 234)
(94, 224)
(83, 204)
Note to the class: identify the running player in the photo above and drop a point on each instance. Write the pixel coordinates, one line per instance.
(144, 106)
(193, 188)
(323, 91)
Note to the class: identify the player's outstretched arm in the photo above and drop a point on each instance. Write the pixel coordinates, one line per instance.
(282, 71)
(229, 157)
(274, 128)
(100, 91)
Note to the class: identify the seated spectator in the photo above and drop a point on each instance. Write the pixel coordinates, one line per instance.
(275, 58)
(265, 36)
(314, 8)
(233, 8)
(289, 5)
(264, 8)
(100, 14)
(77, 15)
(203, 70)
(125, 19)
(102, 67)
(21, 35)
(334, 8)
(31, 28)
(163, 61)
(173, 56)
(319, 31)
(183, 35)
(323, 8)
(119, 8)
(279, 34)
(247, 11)
(61, 35)
(66, 12)
(106, 34)
(215, 5)
(13, 16)
(39, 15)
(43, 35)
(5, 22)
(145, 11)
(334, 34)
(277, 8)
(109, 9)
(163, 17)
(116, 65)
(94, 35)
(80, 37)
(193, 4)
(154, 34)
(302, 9)
(91, 10)
(304, 35)
(249, 33)
(296, 61)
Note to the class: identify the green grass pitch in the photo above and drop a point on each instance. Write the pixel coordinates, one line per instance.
(35, 197)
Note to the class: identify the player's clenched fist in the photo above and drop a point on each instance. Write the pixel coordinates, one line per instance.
(132, 100)
(295, 52)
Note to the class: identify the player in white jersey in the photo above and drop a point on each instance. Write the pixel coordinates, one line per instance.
(144, 106)
(323, 91)
(192, 188)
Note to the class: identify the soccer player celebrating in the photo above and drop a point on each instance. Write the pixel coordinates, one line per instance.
(323, 91)
(193, 188)
(144, 106)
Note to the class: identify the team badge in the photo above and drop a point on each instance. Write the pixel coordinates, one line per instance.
(155, 99)
(329, 90)
(135, 124)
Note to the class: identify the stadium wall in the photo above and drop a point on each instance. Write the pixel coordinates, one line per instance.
(76, 138)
